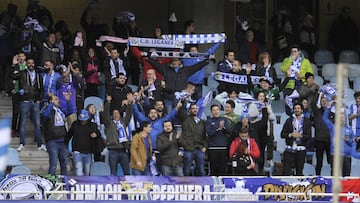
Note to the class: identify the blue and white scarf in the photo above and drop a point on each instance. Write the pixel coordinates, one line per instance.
(295, 66)
(234, 78)
(59, 118)
(121, 131)
(113, 70)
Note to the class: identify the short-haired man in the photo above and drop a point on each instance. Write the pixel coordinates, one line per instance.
(218, 131)
(31, 88)
(141, 150)
(171, 158)
(195, 143)
(296, 132)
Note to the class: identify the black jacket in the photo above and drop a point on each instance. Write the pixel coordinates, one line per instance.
(32, 92)
(322, 132)
(288, 128)
(82, 142)
(169, 150)
(176, 81)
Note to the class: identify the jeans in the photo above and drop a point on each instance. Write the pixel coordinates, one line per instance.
(57, 150)
(34, 109)
(119, 156)
(199, 158)
(172, 171)
(169, 105)
(82, 163)
(101, 91)
(146, 172)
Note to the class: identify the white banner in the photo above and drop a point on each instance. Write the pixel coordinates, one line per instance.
(198, 38)
(157, 43)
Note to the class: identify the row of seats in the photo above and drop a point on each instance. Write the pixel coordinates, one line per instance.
(324, 56)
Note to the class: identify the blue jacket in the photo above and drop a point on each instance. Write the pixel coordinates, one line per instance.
(52, 132)
(156, 125)
(47, 85)
(198, 77)
(216, 137)
(347, 145)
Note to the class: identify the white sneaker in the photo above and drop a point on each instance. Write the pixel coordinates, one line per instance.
(20, 148)
(42, 147)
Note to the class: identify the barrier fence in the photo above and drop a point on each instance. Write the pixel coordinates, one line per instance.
(162, 188)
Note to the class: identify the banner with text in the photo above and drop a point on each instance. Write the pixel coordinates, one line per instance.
(250, 186)
(139, 188)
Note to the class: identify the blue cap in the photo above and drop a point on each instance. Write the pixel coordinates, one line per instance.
(84, 115)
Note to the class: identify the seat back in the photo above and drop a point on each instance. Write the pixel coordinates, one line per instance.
(349, 56)
(20, 170)
(134, 88)
(323, 56)
(309, 170)
(97, 101)
(13, 158)
(329, 70)
(99, 168)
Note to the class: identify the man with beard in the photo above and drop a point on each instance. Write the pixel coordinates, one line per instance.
(195, 144)
(171, 156)
(160, 108)
(296, 132)
(31, 87)
(49, 80)
(119, 92)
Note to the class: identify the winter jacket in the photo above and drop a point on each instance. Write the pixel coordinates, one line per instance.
(254, 151)
(82, 142)
(217, 137)
(176, 78)
(305, 67)
(169, 150)
(322, 133)
(345, 130)
(138, 152)
(111, 131)
(288, 128)
(52, 132)
(49, 82)
(193, 134)
(32, 92)
(50, 52)
(156, 125)
(198, 77)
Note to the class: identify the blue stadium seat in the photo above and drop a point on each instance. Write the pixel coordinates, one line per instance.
(323, 56)
(309, 170)
(20, 170)
(99, 169)
(13, 158)
(348, 56)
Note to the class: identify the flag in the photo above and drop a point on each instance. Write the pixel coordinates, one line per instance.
(203, 102)
(5, 133)
(350, 187)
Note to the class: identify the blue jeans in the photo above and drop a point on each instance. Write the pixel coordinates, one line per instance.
(57, 150)
(146, 172)
(119, 156)
(101, 91)
(199, 158)
(169, 105)
(172, 171)
(34, 109)
(82, 163)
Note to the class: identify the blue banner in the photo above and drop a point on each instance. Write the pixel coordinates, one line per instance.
(281, 186)
(139, 188)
